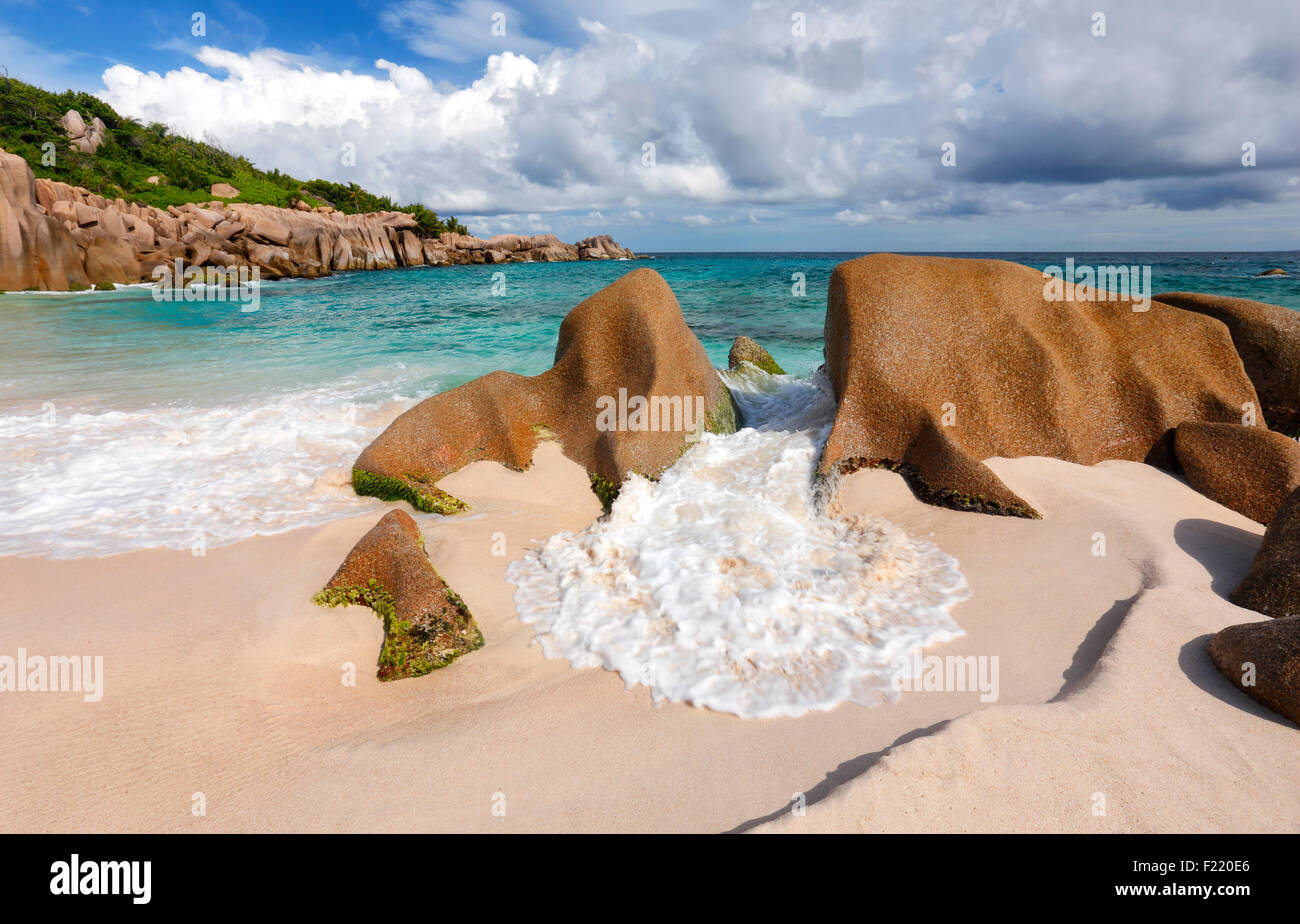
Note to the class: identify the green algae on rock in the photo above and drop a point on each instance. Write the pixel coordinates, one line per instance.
(628, 341)
(426, 623)
(747, 350)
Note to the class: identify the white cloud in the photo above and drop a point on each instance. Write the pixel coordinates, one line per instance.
(745, 117)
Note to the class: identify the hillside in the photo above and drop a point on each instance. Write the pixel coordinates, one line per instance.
(132, 152)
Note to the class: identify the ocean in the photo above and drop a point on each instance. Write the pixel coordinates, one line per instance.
(127, 423)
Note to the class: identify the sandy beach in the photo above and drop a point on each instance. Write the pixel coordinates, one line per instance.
(222, 678)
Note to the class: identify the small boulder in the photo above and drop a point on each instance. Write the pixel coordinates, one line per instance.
(426, 624)
(1275, 271)
(746, 350)
(1272, 586)
(1248, 469)
(1262, 659)
(224, 191)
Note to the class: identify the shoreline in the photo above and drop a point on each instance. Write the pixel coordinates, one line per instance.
(259, 721)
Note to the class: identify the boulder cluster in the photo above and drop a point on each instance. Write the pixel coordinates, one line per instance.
(59, 237)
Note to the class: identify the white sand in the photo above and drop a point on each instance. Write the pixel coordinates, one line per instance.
(222, 678)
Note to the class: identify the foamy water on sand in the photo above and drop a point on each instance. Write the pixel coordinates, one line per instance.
(723, 586)
(93, 481)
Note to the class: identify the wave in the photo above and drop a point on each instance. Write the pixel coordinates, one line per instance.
(724, 586)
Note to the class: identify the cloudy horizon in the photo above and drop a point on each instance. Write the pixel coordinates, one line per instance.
(1011, 125)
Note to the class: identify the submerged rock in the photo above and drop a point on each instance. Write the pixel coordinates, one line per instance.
(630, 388)
(1262, 659)
(1272, 586)
(426, 624)
(1248, 469)
(939, 363)
(1275, 271)
(746, 350)
(1267, 337)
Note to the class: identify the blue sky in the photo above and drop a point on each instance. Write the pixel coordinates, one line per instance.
(731, 126)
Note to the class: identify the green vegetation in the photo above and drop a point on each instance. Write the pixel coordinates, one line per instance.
(408, 650)
(368, 484)
(134, 151)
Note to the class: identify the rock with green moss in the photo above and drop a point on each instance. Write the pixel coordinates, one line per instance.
(622, 396)
(426, 623)
(745, 350)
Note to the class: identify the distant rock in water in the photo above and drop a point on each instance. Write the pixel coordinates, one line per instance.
(1251, 470)
(1275, 271)
(49, 230)
(631, 386)
(426, 624)
(939, 363)
(745, 350)
(1267, 338)
(1272, 586)
(1262, 659)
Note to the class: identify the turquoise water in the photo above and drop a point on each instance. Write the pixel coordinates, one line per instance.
(126, 422)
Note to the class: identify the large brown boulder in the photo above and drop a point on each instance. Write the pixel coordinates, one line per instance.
(939, 363)
(36, 251)
(426, 624)
(1272, 586)
(1268, 339)
(1262, 659)
(630, 388)
(1249, 469)
(111, 259)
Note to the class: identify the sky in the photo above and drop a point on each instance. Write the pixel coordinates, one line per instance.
(676, 125)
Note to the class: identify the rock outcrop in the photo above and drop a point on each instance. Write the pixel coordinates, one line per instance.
(426, 624)
(1249, 469)
(939, 363)
(747, 350)
(1275, 271)
(51, 229)
(1267, 338)
(1262, 659)
(1272, 586)
(36, 250)
(85, 138)
(630, 388)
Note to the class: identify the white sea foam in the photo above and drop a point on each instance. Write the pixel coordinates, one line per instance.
(93, 481)
(723, 586)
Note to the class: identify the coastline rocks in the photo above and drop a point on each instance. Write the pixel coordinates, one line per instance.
(630, 388)
(45, 247)
(603, 247)
(36, 251)
(426, 624)
(1267, 337)
(939, 363)
(1272, 586)
(1248, 469)
(1262, 659)
(747, 350)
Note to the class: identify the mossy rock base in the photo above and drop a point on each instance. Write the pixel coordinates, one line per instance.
(939, 497)
(426, 498)
(410, 650)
